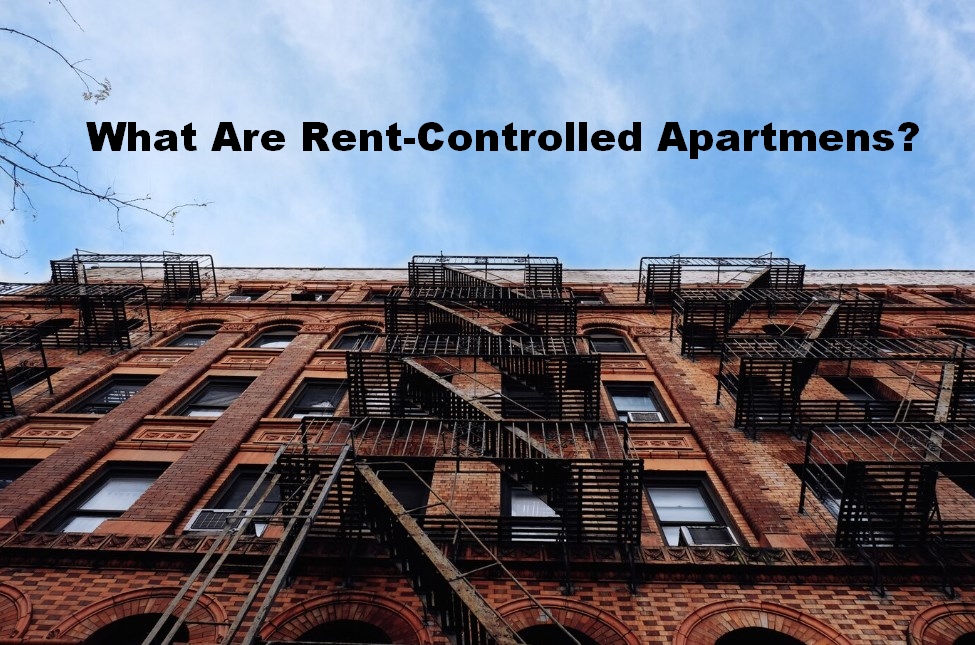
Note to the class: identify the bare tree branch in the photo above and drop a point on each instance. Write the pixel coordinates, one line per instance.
(21, 165)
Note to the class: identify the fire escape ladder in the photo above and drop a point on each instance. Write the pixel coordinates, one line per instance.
(463, 613)
(963, 390)
(305, 480)
(19, 364)
(6, 397)
(66, 272)
(181, 281)
(103, 322)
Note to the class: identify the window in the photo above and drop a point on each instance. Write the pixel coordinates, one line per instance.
(110, 496)
(356, 340)
(213, 397)
(245, 295)
(194, 337)
(278, 339)
(311, 296)
(11, 469)
(687, 514)
(608, 342)
(117, 391)
(227, 505)
(636, 403)
(589, 299)
(531, 518)
(316, 398)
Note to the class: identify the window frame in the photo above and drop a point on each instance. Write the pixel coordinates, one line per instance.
(289, 410)
(102, 391)
(272, 336)
(221, 500)
(520, 526)
(712, 503)
(204, 333)
(192, 400)
(359, 334)
(72, 507)
(645, 389)
(605, 335)
(13, 469)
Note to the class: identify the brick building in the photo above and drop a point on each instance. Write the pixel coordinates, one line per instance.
(487, 450)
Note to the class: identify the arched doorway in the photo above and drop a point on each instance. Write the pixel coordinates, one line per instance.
(753, 635)
(552, 635)
(346, 631)
(132, 630)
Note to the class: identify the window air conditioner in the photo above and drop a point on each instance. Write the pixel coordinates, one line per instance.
(645, 417)
(214, 519)
(237, 299)
(707, 536)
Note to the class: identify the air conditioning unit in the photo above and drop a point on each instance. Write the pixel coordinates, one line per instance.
(645, 417)
(707, 536)
(214, 519)
(237, 299)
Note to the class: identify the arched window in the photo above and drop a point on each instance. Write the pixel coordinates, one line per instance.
(752, 635)
(608, 342)
(965, 639)
(356, 339)
(346, 631)
(132, 630)
(194, 336)
(552, 635)
(275, 339)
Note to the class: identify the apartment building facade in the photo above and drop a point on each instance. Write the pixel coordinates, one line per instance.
(484, 449)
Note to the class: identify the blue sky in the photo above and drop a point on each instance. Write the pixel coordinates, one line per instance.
(708, 65)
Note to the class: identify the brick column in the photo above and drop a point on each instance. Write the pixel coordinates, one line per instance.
(726, 448)
(171, 497)
(30, 491)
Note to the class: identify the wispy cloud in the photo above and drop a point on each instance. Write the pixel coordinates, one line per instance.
(365, 65)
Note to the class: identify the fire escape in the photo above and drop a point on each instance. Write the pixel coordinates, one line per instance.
(480, 371)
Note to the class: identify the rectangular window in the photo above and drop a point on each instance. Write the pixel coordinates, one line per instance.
(11, 469)
(274, 339)
(532, 519)
(636, 403)
(687, 514)
(213, 397)
(608, 343)
(355, 341)
(316, 398)
(228, 506)
(110, 496)
(117, 391)
(193, 338)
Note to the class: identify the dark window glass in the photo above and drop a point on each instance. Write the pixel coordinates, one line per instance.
(25, 377)
(317, 398)
(11, 469)
(117, 391)
(274, 339)
(361, 340)
(603, 343)
(111, 495)
(213, 397)
(194, 338)
(238, 491)
(687, 514)
(636, 403)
